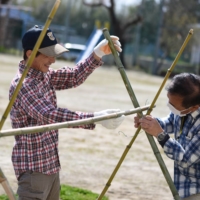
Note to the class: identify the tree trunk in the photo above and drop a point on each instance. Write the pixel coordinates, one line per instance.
(122, 55)
(118, 32)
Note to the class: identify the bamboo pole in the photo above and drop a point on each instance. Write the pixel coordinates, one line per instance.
(30, 61)
(136, 104)
(35, 129)
(6, 186)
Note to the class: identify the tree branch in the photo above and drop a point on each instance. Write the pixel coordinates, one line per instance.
(132, 22)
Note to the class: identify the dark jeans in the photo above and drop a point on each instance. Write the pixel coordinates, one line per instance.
(38, 186)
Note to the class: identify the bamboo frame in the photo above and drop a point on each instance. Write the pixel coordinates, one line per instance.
(35, 129)
(136, 104)
(5, 184)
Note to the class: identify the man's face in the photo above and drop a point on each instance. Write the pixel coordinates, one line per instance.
(42, 62)
(176, 102)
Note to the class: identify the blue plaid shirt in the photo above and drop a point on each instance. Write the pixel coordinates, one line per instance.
(184, 149)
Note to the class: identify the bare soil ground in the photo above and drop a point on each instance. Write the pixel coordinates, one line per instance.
(88, 158)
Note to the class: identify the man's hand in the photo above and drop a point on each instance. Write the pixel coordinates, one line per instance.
(148, 124)
(109, 123)
(136, 121)
(103, 48)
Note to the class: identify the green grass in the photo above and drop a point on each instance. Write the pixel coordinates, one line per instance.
(10, 51)
(74, 193)
(3, 197)
(71, 193)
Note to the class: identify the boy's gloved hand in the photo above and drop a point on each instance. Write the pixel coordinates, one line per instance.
(109, 123)
(103, 48)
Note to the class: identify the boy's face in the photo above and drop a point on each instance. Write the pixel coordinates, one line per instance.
(41, 62)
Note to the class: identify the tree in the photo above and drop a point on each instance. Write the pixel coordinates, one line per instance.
(167, 35)
(179, 16)
(146, 33)
(118, 25)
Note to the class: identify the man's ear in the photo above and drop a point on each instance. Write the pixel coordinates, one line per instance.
(195, 108)
(28, 53)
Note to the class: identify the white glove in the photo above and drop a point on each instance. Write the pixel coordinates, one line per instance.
(109, 123)
(103, 48)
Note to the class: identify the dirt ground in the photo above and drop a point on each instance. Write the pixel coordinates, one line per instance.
(87, 157)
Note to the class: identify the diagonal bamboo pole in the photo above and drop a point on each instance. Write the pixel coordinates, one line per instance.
(35, 129)
(136, 104)
(6, 186)
(29, 63)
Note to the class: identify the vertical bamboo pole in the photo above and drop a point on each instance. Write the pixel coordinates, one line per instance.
(136, 104)
(29, 63)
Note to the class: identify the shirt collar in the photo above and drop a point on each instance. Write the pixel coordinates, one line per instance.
(195, 113)
(31, 72)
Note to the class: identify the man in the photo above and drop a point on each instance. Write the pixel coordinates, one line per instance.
(183, 94)
(35, 157)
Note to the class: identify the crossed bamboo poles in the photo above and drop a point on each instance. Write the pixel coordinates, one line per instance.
(3, 179)
(131, 94)
(136, 104)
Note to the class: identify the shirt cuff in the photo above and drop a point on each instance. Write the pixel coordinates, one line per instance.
(162, 143)
(96, 63)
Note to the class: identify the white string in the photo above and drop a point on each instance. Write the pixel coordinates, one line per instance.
(128, 136)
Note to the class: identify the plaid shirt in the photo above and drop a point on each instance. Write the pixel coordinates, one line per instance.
(185, 151)
(36, 105)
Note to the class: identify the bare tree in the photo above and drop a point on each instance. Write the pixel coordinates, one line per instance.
(119, 26)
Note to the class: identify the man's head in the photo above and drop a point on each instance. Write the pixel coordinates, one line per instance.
(184, 92)
(49, 45)
(48, 50)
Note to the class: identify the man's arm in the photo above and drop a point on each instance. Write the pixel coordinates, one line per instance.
(186, 155)
(73, 77)
(36, 106)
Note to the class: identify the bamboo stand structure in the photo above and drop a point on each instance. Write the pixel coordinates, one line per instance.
(131, 94)
(136, 104)
(10, 104)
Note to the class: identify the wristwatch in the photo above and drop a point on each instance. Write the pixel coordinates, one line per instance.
(161, 136)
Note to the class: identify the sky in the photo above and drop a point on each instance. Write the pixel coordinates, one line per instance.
(131, 2)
